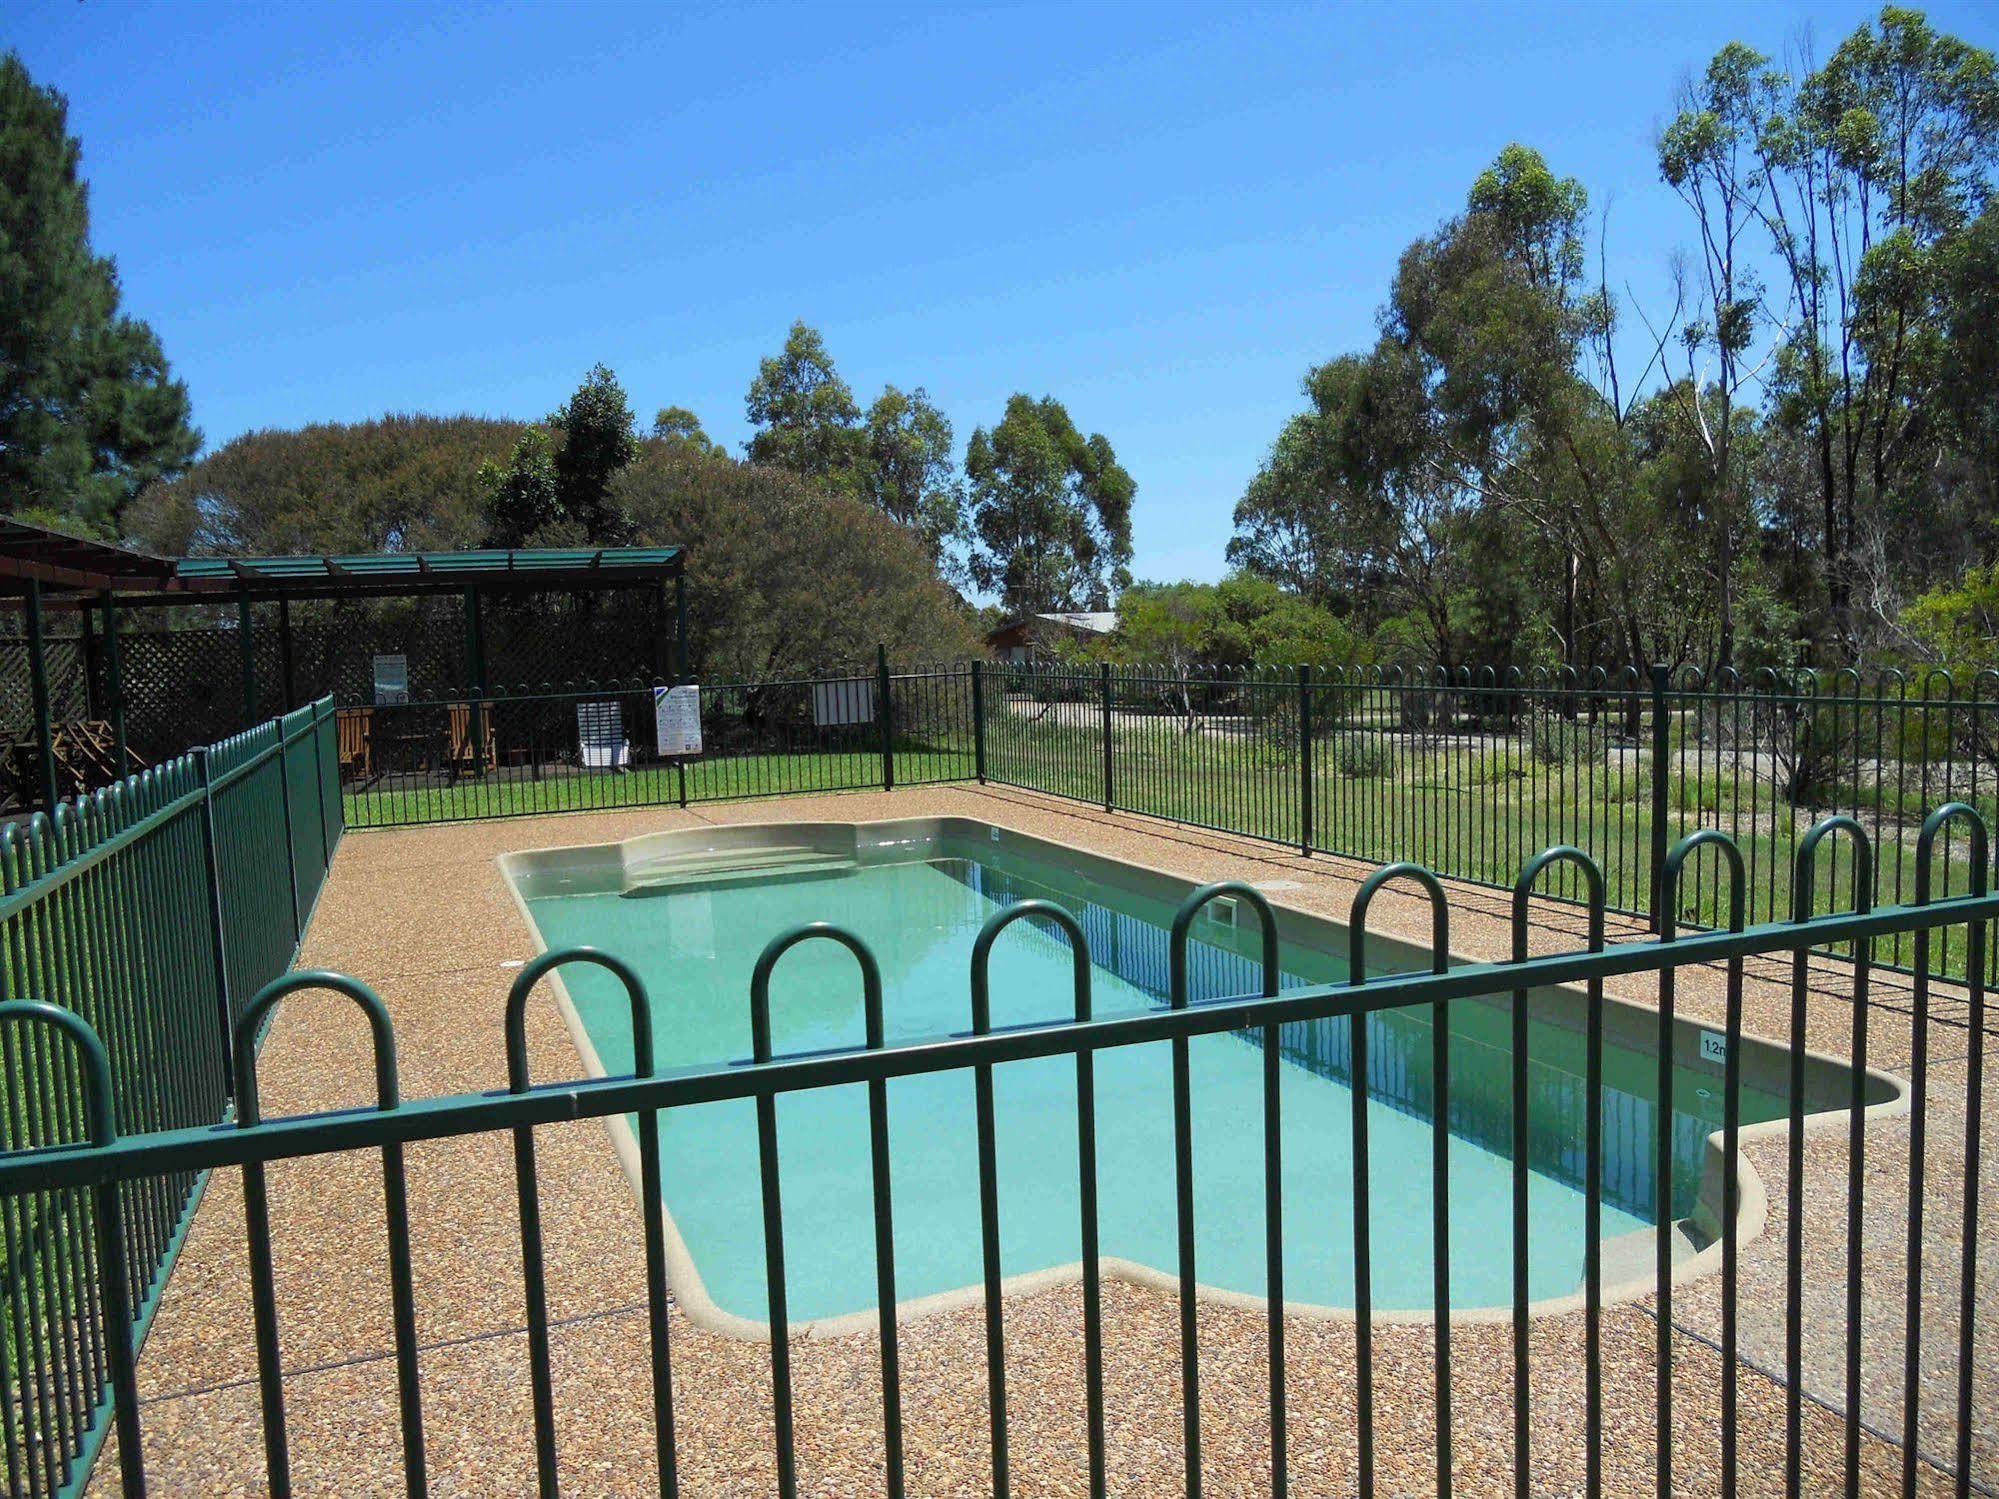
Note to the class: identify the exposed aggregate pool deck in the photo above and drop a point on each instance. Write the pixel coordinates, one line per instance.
(424, 916)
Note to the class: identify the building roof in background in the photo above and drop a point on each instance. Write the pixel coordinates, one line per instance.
(1022, 627)
(1092, 622)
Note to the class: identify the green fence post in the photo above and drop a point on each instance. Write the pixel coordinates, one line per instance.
(662, 666)
(680, 669)
(291, 834)
(1661, 769)
(680, 622)
(249, 650)
(287, 674)
(114, 682)
(979, 722)
(885, 717)
(1105, 674)
(38, 688)
(225, 1005)
(319, 789)
(329, 751)
(1305, 761)
(475, 670)
(91, 703)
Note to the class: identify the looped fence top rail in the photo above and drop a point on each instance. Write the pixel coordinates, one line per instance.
(255, 1140)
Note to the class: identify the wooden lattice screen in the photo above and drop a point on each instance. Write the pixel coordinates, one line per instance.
(185, 686)
(67, 697)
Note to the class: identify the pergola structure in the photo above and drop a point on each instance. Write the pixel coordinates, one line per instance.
(47, 571)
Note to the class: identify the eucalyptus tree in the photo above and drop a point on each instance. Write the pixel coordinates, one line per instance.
(1704, 153)
(1861, 173)
(1529, 409)
(1479, 462)
(678, 427)
(1050, 510)
(898, 456)
(805, 415)
(1967, 358)
(911, 475)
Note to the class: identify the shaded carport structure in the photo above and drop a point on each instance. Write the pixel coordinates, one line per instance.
(44, 571)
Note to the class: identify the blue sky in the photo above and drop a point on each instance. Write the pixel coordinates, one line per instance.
(1160, 214)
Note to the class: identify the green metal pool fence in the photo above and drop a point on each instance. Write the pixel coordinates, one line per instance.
(150, 911)
(1469, 773)
(90, 1171)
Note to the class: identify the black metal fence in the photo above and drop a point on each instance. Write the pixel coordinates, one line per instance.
(1473, 773)
(1807, 1445)
(149, 912)
(1468, 773)
(594, 745)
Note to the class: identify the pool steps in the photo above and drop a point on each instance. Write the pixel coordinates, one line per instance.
(713, 866)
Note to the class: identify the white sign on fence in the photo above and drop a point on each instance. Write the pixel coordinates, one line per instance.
(392, 679)
(677, 719)
(843, 700)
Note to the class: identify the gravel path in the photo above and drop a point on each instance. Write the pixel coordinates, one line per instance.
(423, 916)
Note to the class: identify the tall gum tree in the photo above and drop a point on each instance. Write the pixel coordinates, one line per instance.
(1860, 175)
(1050, 510)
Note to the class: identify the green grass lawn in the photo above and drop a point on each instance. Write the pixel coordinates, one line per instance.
(721, 778)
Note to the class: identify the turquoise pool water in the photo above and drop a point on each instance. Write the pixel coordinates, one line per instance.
(696, 943)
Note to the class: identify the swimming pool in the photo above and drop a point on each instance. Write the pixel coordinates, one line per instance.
(692, 911)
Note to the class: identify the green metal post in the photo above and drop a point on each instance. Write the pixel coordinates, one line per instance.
(249, 649)
(979, 722)
(285, 655)
(1661, 751)
(680, 626)
(680, 665)
(291, 831)
(90, 703)
(662, 669)
(1305, 761)
(319, 787)
(38, 686)
(475, 669)
(217, 942)
(1104, 678)
(885, 718)
(114, 681)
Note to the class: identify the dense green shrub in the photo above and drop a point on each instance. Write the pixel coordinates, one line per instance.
(1555, 740)
(1361, 757)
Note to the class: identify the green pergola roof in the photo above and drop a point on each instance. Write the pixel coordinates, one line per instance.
(75, 570)
(611, 565)
(376, 573)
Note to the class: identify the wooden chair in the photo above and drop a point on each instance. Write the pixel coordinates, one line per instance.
(354, 730)
(464, 754)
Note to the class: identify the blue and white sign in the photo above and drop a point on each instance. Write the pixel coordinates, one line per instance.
(676, 715)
